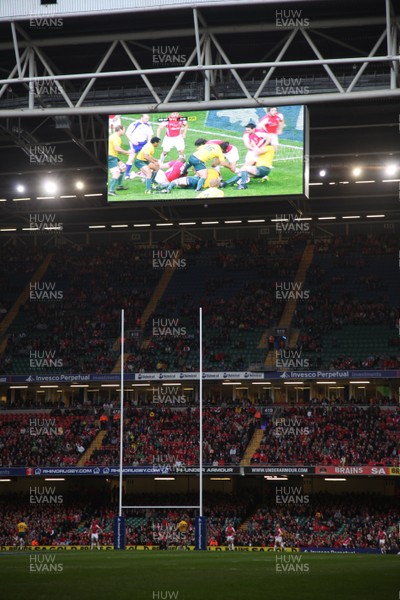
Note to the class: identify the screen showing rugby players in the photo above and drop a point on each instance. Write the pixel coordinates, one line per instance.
(214, 154)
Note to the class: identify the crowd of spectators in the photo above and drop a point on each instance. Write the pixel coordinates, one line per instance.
(17, 266)
(41, 440)
(355, 288)
(53, 518)
(82, 326)
(169, 437)
(237, 293)
(314, 434)
(322, 520)
(331, 435)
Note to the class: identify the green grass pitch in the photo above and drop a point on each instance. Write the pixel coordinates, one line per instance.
(286, 178)
(141, 575)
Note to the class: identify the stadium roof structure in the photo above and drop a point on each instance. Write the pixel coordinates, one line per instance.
(66, 66)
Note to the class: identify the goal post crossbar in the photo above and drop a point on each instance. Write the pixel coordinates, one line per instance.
(155, 507)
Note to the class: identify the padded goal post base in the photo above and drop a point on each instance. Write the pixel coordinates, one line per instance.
(200, 533)
(119, 533)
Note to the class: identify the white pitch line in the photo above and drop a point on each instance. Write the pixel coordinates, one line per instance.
(213, 133)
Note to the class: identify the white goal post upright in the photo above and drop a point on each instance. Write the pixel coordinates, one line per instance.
(201, 411)
(201, 521)
(119, 521)
(121, 421)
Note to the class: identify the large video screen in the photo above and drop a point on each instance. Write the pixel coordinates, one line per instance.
(214, 154)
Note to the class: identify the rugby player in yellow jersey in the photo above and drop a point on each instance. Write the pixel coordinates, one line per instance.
(183, 526)
(146, 163)
(116, 166)
(212, 191)
(191, 182)
(211, 175)
(205, 152)
(259, 167)
(22, 529)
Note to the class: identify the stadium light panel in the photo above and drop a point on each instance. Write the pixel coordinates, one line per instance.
(50, 187)
(391, 169)
(140, 384)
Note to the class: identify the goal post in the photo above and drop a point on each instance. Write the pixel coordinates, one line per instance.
(119, 521)
(200, 520)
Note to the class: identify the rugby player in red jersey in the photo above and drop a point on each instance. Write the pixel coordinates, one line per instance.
(176, 127)
(230, 536)
(272, 123)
